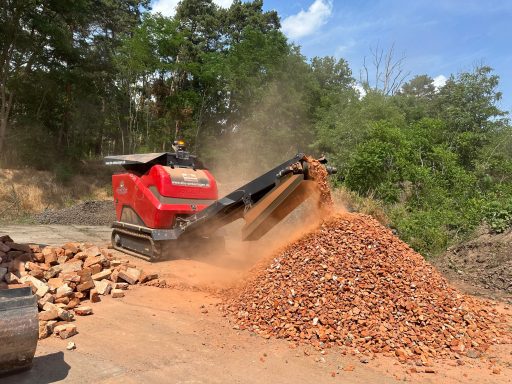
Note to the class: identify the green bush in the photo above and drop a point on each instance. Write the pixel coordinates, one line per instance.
(422, 230)
(498, 215)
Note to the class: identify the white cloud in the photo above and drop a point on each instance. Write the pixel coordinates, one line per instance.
(307, 22)
(439, 81)
(223, 3)
(359, 89)
(165, 7)
(168, 7)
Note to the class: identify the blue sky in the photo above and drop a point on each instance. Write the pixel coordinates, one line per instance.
(437, 37)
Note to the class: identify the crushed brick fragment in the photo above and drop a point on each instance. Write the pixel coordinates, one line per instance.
(145, 277)
(103, 287)
(83, 311)
(44, 330)
(318, 173)
(117, 293)
(65, 331)
(50, 314)
(94, 296)
(105, 274)
(131, 275)
(123, 286)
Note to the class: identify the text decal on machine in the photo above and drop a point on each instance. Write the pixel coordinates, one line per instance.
(190, 179)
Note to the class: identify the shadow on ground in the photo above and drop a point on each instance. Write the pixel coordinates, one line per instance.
(46, 369)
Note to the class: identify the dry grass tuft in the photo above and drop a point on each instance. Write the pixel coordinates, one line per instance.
(367, 205)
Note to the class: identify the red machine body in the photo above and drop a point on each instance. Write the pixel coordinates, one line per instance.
(156, 198)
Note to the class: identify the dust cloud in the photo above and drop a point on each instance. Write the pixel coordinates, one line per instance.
(223, 265)
(243, 152)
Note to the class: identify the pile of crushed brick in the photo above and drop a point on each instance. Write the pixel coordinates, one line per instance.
(352, 283)
(66, 280)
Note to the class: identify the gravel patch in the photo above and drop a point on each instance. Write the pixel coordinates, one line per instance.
(86, 213)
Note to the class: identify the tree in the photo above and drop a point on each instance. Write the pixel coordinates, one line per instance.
(421, 86)
(385, 73)
(204, 70)
(416, 98)
(63, 49)
(379, 164)
(468, 104)
(241, 15)
(346, 124)
(469, 100)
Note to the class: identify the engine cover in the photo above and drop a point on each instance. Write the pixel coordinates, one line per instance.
(156, 198)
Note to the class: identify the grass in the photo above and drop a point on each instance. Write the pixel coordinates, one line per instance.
(351, 201)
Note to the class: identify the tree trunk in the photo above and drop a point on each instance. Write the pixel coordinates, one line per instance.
(3, 130)
(5, 110)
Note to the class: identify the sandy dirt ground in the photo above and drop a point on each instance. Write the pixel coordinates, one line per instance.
(178, 335)
(53, 234)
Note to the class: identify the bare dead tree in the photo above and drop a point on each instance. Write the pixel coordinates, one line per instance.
(386, 72)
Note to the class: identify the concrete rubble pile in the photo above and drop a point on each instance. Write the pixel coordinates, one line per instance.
(352, 283)
(66, 280)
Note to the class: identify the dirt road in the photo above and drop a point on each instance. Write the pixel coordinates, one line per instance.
(156, 335)
(162, 336)
(53, 234)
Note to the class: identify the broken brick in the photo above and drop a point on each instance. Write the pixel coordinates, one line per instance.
(94, 297)
(44, 330)
(50, 256)
(71, 266)
(65, 331)
(103, 287)
(123, 286)
(39, 257)
(63, 290)
(145, 277)
(51, 314)
(41, 288)
(95, 269)
(93, 251)
(131, 275)
(54, 283)
(105, 274)
(116, 293)
(85, 285)
(48, 298)
(83, 311)
(73, 302)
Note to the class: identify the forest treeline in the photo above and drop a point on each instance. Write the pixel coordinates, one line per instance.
(82, 79)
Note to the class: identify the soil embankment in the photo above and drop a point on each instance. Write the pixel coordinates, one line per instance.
(485, 263)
